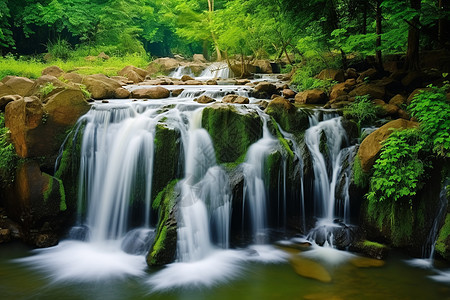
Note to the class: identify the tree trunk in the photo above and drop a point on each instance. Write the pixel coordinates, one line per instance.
(379, 58)
(344, 60)
(443, 24)
(412, 54)
(364, 21)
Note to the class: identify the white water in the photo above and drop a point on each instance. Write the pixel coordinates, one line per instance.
(216, 70)
(180, 71)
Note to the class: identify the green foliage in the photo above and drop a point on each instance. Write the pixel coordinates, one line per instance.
(444, 234)
(8, 157)
(399, 170)
(59, 49)
(360, 178)
(432, 109)
(85, 91)
(46, 89)
(363, 110)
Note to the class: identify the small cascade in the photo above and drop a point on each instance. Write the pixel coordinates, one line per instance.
(180, 71)
(255, 194)
(216, 70)
(216, 92)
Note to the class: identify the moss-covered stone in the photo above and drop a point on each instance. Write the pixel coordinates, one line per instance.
(443, 241)
(290, 118)
(164, 246)
(167, 151)
(370, 249)
(231, 131)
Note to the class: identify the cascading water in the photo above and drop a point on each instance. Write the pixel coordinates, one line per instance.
(216, 70)
(180, 71)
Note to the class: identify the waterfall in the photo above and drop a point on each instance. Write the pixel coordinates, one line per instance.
(216, 70)
(180, 71)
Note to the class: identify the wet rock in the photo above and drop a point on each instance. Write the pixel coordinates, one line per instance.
(211, 82)
(287, 115)
(370, 249)
(151, 93)
(375, 91)
(242, 81)
(371, 145)
(204, 99)
(235, 99)
(185, 78)
(264, 65)
(443, 239)
(5, 235)
(264, 90)
(331, 74)
(45, 240)
(314, 96)
(122, 93)
(177, 92)
(364, 262)
(309, 269)
(101, 86)
(194, 82)
(288, 93)
(163, 65)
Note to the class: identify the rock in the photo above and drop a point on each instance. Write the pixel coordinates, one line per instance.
(232, 131)
(341, 89)
(45, 80)
(133, 73)
(351, 73)
(5, 235)
(103, 55)
(6, 99)
(204, 99)
(66, 107)
(185, 78)
(403, 114)
(375, 91)
(264, 90)
(390, 109)
(177, 92)
(288, 93)
(370, 249)
(287, 115)
(242, 81)
(53, 71)
(90, 58)
(371, 145)
(122, 93)
(164, 247)
(378, 102)
(443, 239)
(309, 269)
(73, 77)
(414, 93)
(398, 100)
(211, 82)
(315, 96)
(193, 82)
(101, 86)
(235, 99)
(163, 65)
(36, 198)
(122, 80)
(364, 262)
(414, 79)
(331, 74)
(151, 93)
(368, 75)
(45, 240)
(16, 86)
(199, 58)
(264, 65)
(197, 67)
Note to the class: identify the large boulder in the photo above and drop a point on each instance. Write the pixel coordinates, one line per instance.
(53, 71)
(6, 99)
(232, 131)
(371, 145)
(264, 65)
(37, 202)
(264, 90)
(133, 73)
(331, 74)
(203, 99)
(398, 100)
(100, 86)
(375, 91)
(199, 58)
(65, 107)
(163, 65)
(443, 241)
(151, 93)
(342, 88)
(13, 85)
(287, 115)
(44, 82)
(314, 96)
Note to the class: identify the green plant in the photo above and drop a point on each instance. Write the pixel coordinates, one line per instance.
(362, 110)
(400, 168)
(304, 80)
(59, 49)
(85, 91)
(360, 178)
(47, 89)
(432, 109)
(8, 157)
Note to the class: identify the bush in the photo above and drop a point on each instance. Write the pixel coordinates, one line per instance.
(363, 110)
(59, 49)
(8, 157)
(46, 89)
(400, 168)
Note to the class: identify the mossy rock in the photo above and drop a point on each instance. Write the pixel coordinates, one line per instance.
(370, 249)
(290, 118)
(443, 241)
(164, 247)
(232, 131)
(167, 151)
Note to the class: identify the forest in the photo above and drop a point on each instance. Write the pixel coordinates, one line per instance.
(173, 149)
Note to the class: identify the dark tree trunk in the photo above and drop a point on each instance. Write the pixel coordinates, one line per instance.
(364, 20)
(412, 54)
(379, 58)
(444, 24)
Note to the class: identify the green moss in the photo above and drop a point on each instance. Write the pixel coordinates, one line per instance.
(49, 190)
(443, 241)
(158, 245)
(62, 193)
(231, 131)
(360, 178)
(371, 244)
(293, 120)
(233, 165)
(284, 143)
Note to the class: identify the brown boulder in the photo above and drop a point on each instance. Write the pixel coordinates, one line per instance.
(211, 82)
(122, 93)
(414, 93)
(370, 74)
(204, 99)
(164, 65)
(288, 93)
(101, 86)
(73, 77)
(53, 71)
(199, 58)
(193, 82)
(264, 65)
(16, 86)
(185, 78)
(177, 92)
(133, 73)
(103, 56)
(398, 100)
(151, 93)
(351, 73)
(235, 99)
(315, 96)
(65, 107)
(375, 91)
(264, 90)
(331, 74)
(371, 145)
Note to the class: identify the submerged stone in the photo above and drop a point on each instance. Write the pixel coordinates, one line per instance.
(309, 269)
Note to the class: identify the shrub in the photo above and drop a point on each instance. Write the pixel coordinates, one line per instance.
(362, 110)
(8, 157)
(46, 89)
(59, 49)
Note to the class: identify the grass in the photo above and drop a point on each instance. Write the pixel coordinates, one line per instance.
(32, 67)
